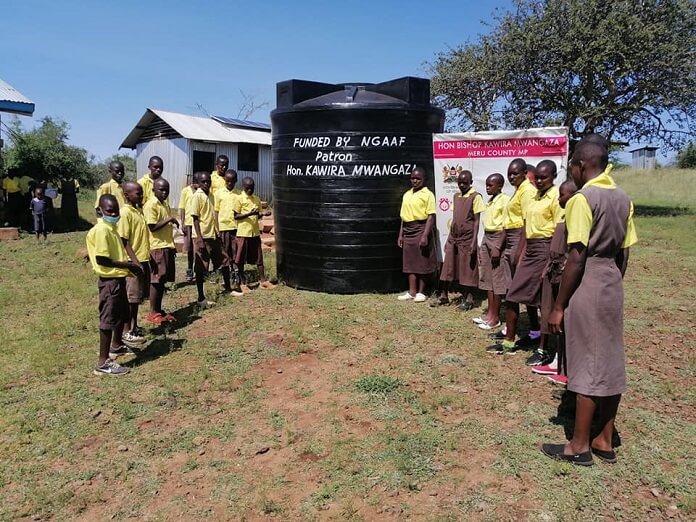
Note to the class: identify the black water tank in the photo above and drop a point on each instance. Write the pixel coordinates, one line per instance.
(342, 155)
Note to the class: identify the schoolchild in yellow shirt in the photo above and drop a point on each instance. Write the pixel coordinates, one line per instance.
(247, 209)
(159, 219)
(136, 240)
(461, 249)
(114, 186)
(225, 199)
(416, 237)
(206, 242)
(187, 222)
(217, 177)
(492, 277)
(156, 166)
(110, 263)
(541, 216)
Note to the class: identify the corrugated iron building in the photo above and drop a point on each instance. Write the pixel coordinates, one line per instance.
(643, 158)
(188, 144)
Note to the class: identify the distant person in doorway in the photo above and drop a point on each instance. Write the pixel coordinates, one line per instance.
(217, 177)
(416, 236)
(13, 199)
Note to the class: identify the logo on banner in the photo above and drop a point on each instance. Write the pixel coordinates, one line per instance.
(450, 173)
(445, 204)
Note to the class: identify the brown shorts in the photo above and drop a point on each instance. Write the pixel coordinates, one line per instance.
(228, 245)
(248, 251)
(491, 278)
(205, 251)
(113, 304)
(138, 287)
(162, 268)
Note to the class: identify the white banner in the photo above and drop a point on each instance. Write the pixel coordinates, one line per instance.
(484, 153)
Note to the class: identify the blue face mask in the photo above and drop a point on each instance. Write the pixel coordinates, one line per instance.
(111, 220)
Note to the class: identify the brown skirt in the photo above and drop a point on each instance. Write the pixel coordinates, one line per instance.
(594, 331)
(491, 278)
(512, 239)
(526, 284)
(417, 260)
(459, 264)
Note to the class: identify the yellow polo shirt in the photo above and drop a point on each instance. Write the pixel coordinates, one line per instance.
(10, 185)
(515, 210)
(203, 205)
(217, 182)
(146, 182)
(242, 204)
(494, 214)
(155, 211)
(224, 206)
(417, 206)
(24, 183)
(103, 240)
(543, 214)
(579, 215)
(184, 199)
(113, 188)
(132, 227)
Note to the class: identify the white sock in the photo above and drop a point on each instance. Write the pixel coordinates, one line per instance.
(503, 330)
(554, 363)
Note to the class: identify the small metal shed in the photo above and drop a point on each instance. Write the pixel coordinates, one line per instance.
(188, 144)
(643, 158)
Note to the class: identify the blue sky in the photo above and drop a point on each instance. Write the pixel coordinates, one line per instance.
(99, 64)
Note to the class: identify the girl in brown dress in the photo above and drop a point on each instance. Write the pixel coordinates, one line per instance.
(461, 249)
(599, 223)
(416, 236)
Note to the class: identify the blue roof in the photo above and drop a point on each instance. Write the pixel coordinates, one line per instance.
(11, 100)
(241, 123)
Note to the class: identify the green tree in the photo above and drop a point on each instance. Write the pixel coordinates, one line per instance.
(686, 159)
(625, 69)
(44, 153)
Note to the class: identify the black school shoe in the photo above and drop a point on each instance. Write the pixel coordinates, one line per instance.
(607, 456)
(538, 358)
(555, 451)
(527, 342)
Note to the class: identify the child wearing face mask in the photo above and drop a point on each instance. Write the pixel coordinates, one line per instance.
(111, 264)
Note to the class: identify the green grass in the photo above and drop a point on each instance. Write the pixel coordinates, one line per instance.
(305, 406)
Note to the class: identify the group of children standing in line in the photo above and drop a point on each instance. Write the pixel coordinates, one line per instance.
(132, 251)
(531, 255)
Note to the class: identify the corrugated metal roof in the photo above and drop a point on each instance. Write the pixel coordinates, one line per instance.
(234, 122)
(196, 128)
(11, 100)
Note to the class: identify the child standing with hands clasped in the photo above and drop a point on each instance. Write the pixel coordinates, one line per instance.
(247, 209)
(589, 306)
(461, 248)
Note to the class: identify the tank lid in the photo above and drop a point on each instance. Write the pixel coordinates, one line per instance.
(407, 91)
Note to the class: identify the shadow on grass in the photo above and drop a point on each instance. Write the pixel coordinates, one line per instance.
(565, 416)
(659, 211)
(156, 349)
(184, 317)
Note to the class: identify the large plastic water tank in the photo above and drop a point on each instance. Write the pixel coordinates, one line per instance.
(342, 155)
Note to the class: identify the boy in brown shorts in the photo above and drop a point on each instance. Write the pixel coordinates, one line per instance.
(158, 217)
(134, 233)
(247, 209)
(110, 262)
(206, 242)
